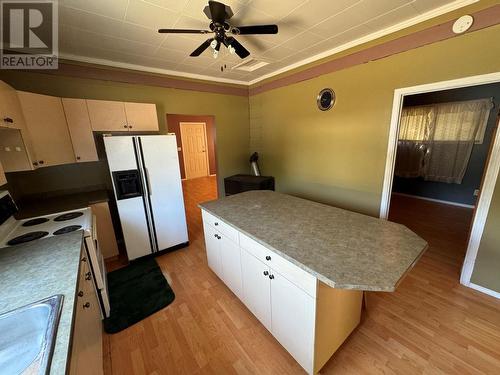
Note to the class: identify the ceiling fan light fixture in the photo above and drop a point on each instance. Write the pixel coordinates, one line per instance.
(231, 49)
(215, 53)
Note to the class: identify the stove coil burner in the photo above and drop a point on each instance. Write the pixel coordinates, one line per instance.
(68, 216)
(32, 222)
(68, 229)
(31, 236)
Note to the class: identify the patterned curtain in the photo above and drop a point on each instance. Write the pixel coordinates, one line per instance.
(435, 141)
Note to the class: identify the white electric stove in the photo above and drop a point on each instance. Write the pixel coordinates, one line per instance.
(16, 232)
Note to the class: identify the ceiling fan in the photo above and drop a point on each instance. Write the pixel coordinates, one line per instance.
(219, 14)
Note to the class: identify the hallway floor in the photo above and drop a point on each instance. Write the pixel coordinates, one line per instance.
(430, 325)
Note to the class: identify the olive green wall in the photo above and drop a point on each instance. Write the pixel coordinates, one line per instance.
(231, 112)
(338, 156)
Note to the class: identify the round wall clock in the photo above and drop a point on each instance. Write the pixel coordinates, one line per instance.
(325, 99)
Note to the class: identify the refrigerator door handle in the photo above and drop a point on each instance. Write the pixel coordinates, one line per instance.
(148, 181)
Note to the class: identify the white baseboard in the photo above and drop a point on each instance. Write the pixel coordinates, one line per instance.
(436, 200)
(484, 290)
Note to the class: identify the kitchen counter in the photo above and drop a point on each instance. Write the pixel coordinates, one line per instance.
(45, 205)
(40, 269)
(343, 249)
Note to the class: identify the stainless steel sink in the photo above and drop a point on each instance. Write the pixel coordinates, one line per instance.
(27, 337)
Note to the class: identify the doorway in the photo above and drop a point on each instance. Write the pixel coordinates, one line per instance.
(195, 149)
(448, 224)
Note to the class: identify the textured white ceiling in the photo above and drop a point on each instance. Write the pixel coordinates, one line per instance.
(125, 31)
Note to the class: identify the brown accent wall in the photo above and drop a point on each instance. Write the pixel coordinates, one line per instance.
(173, 126)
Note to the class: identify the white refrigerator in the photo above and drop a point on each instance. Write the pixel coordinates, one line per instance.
(148, 191)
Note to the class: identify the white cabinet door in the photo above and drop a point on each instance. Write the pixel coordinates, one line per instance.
(47, 129)
(141, 116)
(231, 264)
(3, 180)
(293, 319)
(212, 244)
(80, 129)
(256, 288)
(107, 115)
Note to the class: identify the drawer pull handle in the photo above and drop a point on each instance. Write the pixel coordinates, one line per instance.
(268, 257)
(216, 223)
(8, 119)
(271, 277)
(125, 126)
(80, 294)
(88, 275)
(266, 273)
(86, 305)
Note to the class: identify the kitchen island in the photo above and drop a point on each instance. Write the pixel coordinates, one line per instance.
(301, 267)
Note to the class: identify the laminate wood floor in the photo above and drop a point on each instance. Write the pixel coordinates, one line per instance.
(430, 325)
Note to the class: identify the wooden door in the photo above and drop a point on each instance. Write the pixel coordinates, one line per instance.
(141, 116)
(47, 128)
(80, 130)
(212, 246)
(292, 319)
(107, 115)
(194, 149)
(256, 288)
(230, 256)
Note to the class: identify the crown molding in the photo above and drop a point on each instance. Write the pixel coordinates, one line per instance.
(368, 38)
(142, 68)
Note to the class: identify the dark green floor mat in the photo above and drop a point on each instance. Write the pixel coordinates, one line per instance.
(135, 292)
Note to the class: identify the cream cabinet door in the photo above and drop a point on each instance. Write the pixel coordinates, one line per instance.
(3, 179)
(256, 288)
(11, 115)
(293, 319)
(80, 130)
(47, 128)
(106, 115)
(141, 116)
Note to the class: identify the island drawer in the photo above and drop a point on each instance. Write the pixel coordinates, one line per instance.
(290, 271)
(220, 226)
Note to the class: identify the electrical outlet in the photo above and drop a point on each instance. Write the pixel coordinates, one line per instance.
(476, 192)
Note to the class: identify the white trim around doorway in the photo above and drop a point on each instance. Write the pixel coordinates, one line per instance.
(490, 176)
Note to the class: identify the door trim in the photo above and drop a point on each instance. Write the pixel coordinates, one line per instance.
(206, 145)
(490, 175)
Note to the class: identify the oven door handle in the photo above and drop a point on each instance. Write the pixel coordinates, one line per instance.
(94, 228)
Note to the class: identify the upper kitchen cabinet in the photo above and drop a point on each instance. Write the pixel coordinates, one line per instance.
(80, 129)
(3, 180)
(11, 115)
(141, 116)
(106, 115)
(47, 128)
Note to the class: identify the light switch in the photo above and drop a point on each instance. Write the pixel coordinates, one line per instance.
(476, 192)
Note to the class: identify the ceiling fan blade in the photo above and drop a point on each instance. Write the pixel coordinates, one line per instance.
(257, 29)
(217, 11)
(241, 51)
(198, 51)
(183, 31)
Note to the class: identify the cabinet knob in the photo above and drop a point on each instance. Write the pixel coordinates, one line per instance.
(35, 163)
(268, 257)
(219, 237)
(216, 223)
(40, 161)
(271, 276)
(78, 158)
(80, 294)
(84, 259)
(8, 119)
(130, 126)
(266, 273)
(125, 126)
(88, 275)
(86, 305)
(215, 235)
